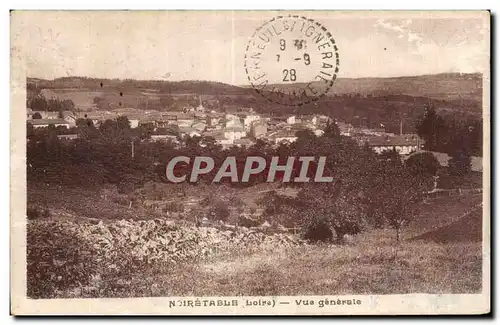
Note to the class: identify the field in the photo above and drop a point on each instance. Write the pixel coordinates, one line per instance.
(440, 252)
(373, 266)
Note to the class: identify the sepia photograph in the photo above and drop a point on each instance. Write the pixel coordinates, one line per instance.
(250, 162)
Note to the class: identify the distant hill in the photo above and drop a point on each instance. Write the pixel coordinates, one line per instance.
(366, 102)
(445, 86)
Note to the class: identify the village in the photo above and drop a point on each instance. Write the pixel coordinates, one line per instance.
(237, 128)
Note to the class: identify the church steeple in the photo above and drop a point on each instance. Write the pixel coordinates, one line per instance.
(200, 107)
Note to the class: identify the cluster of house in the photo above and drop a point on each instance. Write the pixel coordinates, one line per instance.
(240, 128)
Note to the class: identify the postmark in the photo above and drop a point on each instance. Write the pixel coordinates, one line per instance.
(292, 60)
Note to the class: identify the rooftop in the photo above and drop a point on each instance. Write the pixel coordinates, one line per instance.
(284, 134)
(234, 129)
(43, 121)
(397, 140)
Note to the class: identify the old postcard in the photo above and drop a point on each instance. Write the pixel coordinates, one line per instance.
(250, 162)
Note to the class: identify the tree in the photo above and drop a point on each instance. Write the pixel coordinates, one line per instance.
(83, 123)
(318, 229)
(37, 103)
(396, 194)
(331, 130)
(460, 162)
(460, 150)
(36, 116)
(335, 204)
(123, 123)
(431, 128)
(422, 164)
(68, 105)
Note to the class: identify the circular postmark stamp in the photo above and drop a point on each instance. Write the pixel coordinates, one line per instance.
(292, 60)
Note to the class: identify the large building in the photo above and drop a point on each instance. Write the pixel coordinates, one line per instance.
(404, 144)
(43, 123)
(283, 136)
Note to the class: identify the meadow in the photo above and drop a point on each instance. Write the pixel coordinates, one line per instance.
(440, 252)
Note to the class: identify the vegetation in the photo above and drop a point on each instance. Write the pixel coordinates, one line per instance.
(40, 103)
(369, 190)
(460, 138)
(375, 198)
(362, 102)
(423, 164)
(61, 267)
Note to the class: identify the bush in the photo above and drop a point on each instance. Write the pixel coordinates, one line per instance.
(36, 213)
(173, 207)
(219, 211)
(317, 229)
(347, 228)
(57, 259)
(248, 222)
(423, 164)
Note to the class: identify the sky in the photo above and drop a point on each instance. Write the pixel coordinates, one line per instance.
(211, 45)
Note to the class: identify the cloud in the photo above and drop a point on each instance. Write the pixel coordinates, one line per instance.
(156, 45)
(402, 30)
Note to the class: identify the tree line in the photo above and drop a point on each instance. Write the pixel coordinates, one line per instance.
(459, 138)
(40, 103)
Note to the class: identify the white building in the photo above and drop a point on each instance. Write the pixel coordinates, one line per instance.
(233, 121)
(283, 136)
(222, 140)
(43, 123)
(249, 119)
(403, 144)
(234, 133)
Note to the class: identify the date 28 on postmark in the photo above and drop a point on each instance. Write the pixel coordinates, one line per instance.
(292, 60)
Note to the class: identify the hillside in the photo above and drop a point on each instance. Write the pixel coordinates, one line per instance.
(469, 228)
(447, 86)
(436, 214)
(160, 257)
(366, 102)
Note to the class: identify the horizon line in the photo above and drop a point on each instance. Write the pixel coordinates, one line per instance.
(249, 85)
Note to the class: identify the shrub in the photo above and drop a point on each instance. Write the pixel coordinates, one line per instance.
(173, 207)
(423, 164)
(318, 229)
(57, 259)
(244, 221)
(125, 187)
(36, 213)
(219, 211)
(347, 227)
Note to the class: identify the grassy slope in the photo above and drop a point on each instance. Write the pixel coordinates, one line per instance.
(379, 267)
(373, 263)
(439, 212)
(466, 229)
